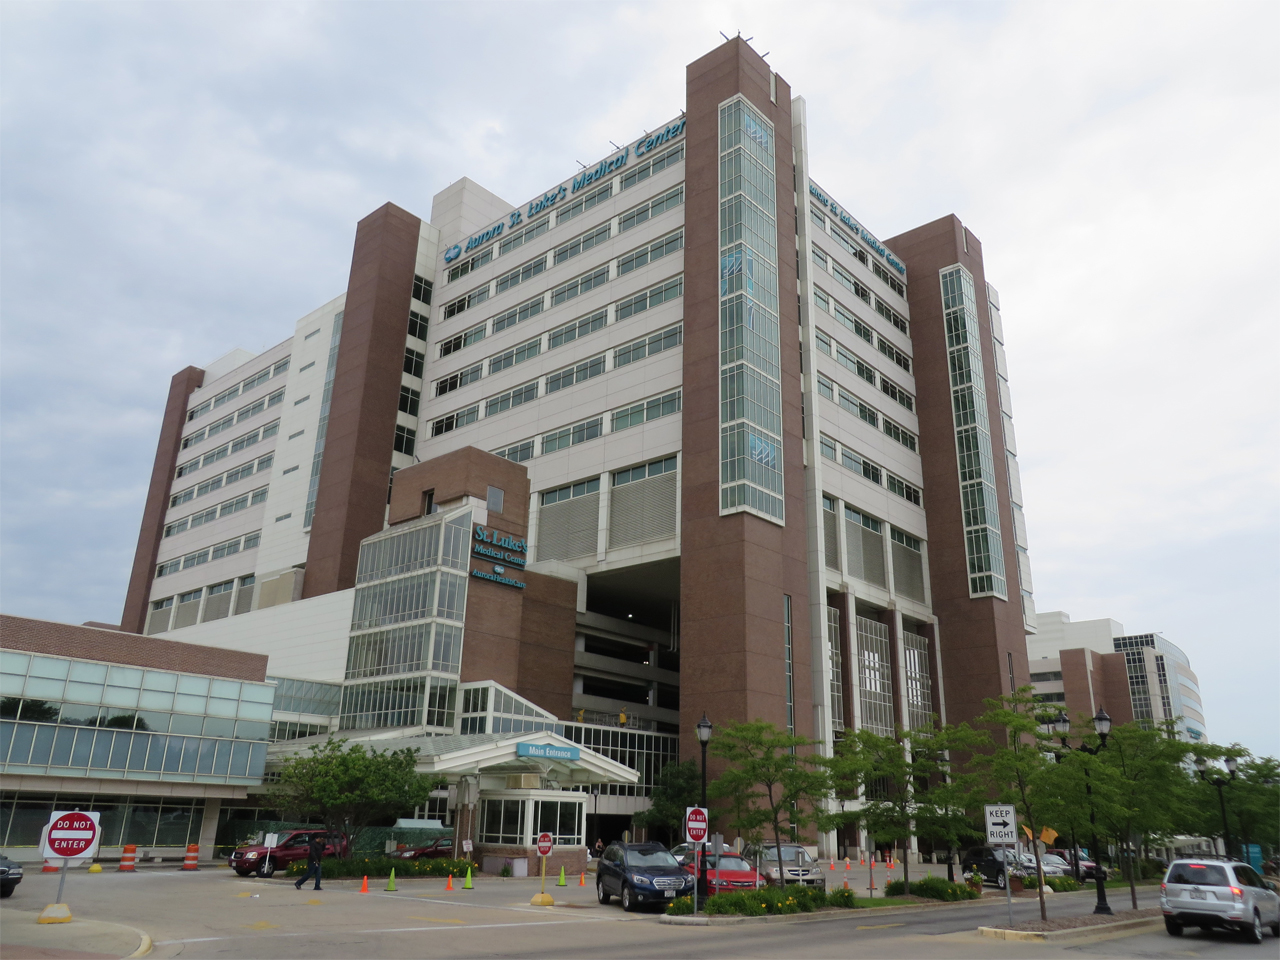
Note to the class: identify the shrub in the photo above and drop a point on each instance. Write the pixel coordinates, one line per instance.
(768, 900)
(842, 898)
(935, 888)
(332, 868)
(1061, 884)
(680, 907)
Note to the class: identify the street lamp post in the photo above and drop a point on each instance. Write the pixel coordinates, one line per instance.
(1201, 766)
(704, 735)
(1102, 725)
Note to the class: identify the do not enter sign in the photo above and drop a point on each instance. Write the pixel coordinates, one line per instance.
(72, 834)
(544, 844)
(695, 824)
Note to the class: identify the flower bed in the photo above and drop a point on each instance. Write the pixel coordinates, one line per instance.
(934, 888)
(765, 901)
(332, 868)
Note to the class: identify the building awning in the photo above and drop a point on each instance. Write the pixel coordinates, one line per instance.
(543, 752)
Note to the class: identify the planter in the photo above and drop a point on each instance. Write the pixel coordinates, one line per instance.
(1015, 885)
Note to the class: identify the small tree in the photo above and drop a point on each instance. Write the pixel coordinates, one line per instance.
(676, 788)
(349, 788)
(769, 782)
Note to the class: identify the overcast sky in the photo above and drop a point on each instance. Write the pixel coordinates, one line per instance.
(181, 179)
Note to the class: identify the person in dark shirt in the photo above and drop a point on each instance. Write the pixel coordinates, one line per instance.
(315, 853)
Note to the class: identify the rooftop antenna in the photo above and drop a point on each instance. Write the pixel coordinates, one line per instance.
(581, 164)
(723, 34)
(615, 146)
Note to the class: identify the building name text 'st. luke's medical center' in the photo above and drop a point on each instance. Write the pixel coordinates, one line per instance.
(497, 546)
(584, 179)
(857, 228)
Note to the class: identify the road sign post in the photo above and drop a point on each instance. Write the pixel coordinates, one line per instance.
(1002, 828)
(70, 835)
(545, 843)
(695, 832)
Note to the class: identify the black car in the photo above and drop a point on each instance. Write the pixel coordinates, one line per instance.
(638, 873)
(989, 863)
(10, 875)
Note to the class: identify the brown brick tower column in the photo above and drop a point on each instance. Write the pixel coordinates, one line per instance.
(352, 497)
(979, 637)
(183, 384)
(736, 569)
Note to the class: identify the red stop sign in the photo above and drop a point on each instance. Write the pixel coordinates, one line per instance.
(695, 825)
(72, 834)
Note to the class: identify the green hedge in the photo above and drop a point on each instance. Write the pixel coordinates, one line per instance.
(335, 867)
(1061, 884)
(935, 888)
(793, 898)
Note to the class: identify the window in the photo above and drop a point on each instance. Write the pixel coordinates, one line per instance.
(825, 387)
(579, 489)
(405, 440)
(885, 311)
(580, 244)
(580, 285)
(843, 314)
(893, 282)
(225, 549)
(1046, 677)
(656, 165)
(659, 205)
(848, 279)
(654, 469)
(225, 479)
(519, 452)
(862, 519)
(905, 539)
(244, 386)
(654, 251)
(850, 361)
(466, 266)
(409, 401)
(569, 436)
(231, 419)
(894, 354)
(904, 437)
(422, 289)
(586, 203)
(460, 379)
(494, 498)
(413, 361)
(645, 411)
(587, 370)
(519, 275)
(512, 398)
(854, 405)
(454, 420)
(903, 489)
(895, 391)
(827, 447)
(648, 346)
(858, 464)
(577, 329)
(821, 223)
(516, 355)
(521, 237)
(476, 296)
(859, 254)
(517, 314)
(417, 325)
(465, 339)
(654, 297)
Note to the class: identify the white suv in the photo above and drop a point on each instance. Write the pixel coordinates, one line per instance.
(1218, 893)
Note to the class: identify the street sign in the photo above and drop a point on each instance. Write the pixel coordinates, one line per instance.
(695, 824)
(71, 834)
(544, 844)
(467, 846)
(1002, 823)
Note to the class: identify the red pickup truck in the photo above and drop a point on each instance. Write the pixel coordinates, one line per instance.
(292, 845)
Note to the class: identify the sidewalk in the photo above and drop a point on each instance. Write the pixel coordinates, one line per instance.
(24, 939)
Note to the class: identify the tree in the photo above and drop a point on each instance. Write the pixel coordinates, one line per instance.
(676, 788)
(1254, 800)
(768, 781)
(349, 788)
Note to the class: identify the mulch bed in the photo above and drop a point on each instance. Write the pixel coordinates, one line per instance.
(1088, 920)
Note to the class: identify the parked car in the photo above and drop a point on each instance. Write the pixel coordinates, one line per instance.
(1050, 869)
(1224, 893)
(292, 845)
(640, 873)
(440, 847)
(797, 866)
(727, 873)
(1088, 869)
(10, 876)
(989, 862)
(683, 852)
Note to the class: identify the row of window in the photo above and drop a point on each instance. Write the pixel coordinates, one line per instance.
(847, 358)
(866, 413)
(231, 419)
(839, 453)
(858, 253)
(845, 316)
(848, 280)
(654, 468)
(223, 509)
(186, 609)
(244, 386)
(235, 446)
(223, 479)
(216, 552)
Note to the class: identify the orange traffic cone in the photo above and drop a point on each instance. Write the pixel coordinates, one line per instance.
(847, 867)
(127, 857)
(449, 885)
(846, 883)
(48, 867)
(582, 881)
(365, 886)
(862, 860)
(832, 864)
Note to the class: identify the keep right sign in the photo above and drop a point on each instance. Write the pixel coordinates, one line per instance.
(1002, 823)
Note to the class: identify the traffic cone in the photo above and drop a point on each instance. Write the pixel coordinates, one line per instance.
(582, 881)
(391, 881)
(847, 867)
(561, 882)
(466, 884)
(846, 883)
(127, 858)
(365, 887)
(48, 867)
(449, 885)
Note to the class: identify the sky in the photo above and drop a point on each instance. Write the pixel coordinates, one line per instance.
(180, 179)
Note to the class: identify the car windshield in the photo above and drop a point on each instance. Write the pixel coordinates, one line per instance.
(650, 858)
(729, 863)
(1199, 874)
(1053, 860)
(796, 854)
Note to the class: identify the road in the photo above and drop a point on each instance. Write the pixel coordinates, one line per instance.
(215, 914)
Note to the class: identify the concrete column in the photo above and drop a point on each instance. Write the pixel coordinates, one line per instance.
(209, 827)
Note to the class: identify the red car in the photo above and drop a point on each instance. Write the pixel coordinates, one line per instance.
(729, 872)
(292, 845)
(442, 847)
(1087, 867)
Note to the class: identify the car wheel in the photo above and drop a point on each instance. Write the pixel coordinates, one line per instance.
(1173, 927)
(7, 889)
(1253, 932)
(243, 873)
(600, 894)
(266, 869)
(628, 899)
(1000, 880)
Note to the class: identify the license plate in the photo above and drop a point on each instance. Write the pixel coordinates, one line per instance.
(1199, 895)
(669, 894)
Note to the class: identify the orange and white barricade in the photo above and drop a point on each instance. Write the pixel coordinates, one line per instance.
(128, 857)
(192, 860)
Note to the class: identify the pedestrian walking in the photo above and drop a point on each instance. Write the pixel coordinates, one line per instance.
(598, 852)
(315, 853)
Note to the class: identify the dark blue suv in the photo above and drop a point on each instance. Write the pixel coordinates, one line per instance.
(638, 873)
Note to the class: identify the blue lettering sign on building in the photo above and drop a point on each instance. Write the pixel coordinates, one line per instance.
(499, 547)
(587, 177)
(547, 751)
(858, 229)
(672, 132)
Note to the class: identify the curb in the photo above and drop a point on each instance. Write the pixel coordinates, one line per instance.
(1075, 933)
(144, 947)
(854, 913)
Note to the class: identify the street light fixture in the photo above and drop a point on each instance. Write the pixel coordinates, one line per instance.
(1061, 725)
(704, 735)
(1201, 766)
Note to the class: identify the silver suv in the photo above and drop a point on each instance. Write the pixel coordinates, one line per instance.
(797, 865)
(1218, 893)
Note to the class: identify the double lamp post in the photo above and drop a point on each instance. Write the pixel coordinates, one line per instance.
(1201, 766)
